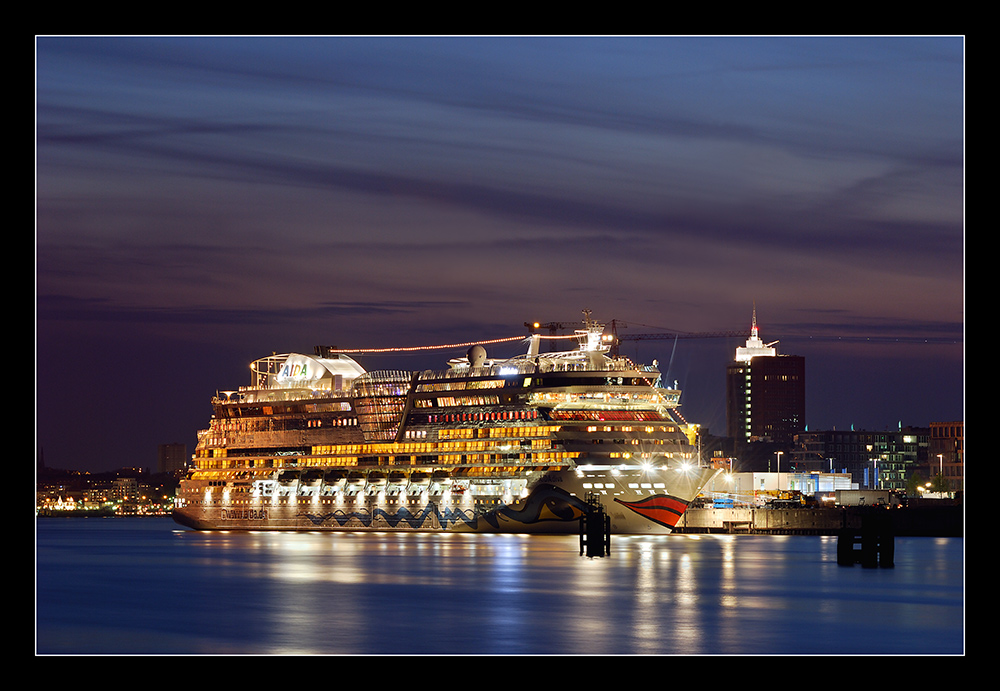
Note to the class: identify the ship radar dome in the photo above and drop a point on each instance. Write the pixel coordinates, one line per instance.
(477, 356)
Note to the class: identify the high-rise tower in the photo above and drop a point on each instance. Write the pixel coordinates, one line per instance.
(765, 392)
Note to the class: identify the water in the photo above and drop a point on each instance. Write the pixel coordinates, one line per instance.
(147, 586)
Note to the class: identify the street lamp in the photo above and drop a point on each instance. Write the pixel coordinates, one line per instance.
(874, 466)
(941, 469)
(779, 470)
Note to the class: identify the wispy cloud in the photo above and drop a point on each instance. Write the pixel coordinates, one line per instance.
(301, 186)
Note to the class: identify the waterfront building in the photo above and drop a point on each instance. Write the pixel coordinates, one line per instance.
(765, 393)
(757, 488)
(125, 489)
(876, 460)
(946, 453)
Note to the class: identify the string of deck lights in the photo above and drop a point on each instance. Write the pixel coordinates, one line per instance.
(442, 347)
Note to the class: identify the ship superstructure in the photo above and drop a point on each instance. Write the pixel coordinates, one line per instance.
(526, 444)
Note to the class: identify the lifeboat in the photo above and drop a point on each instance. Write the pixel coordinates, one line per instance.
(354, 482)
(334, 481)
(440, 482)
(287, 477)
(396, 482)
(419, 481)
(288, 482)
(312, 478)
(310, 482)
(377, 482)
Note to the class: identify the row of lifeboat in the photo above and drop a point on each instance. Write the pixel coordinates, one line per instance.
(319, 482)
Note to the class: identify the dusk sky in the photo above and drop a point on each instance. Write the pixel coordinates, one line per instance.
(202, 202)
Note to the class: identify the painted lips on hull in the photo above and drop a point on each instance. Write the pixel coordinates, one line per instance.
(661, 509)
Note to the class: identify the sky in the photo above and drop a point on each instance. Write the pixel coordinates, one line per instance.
(205, 201)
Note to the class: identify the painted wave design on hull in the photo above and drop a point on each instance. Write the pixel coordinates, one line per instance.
(545, 504)
(660, 509)
(429, 517)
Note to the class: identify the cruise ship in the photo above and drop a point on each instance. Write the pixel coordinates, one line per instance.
(528, 444)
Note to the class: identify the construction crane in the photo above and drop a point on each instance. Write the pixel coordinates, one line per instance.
(554, 327)
(671, 335)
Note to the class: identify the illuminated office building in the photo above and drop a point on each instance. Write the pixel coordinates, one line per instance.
(876, 460)
(947, 453)
(765, 393)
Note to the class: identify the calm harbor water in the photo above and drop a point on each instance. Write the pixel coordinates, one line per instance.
(148, 586)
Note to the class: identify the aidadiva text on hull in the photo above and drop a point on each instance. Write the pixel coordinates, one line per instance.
(526, 444)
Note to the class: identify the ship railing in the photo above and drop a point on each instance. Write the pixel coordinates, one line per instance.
(526, 366)
(249, 394)
(515, 367)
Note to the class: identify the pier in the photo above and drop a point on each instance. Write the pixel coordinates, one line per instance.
(930, 521)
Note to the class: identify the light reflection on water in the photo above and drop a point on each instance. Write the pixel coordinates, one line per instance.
(145, 586)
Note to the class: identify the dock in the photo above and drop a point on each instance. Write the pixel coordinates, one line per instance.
(938, 521)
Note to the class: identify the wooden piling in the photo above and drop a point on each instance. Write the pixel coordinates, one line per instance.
(876, 539)
(595, 531)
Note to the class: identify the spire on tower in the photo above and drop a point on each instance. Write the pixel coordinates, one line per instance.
(754, 347)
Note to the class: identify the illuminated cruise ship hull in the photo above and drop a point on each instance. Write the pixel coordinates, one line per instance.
(554, 505)
(529, 444)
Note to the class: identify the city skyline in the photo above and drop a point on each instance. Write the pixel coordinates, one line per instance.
(205, 201)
